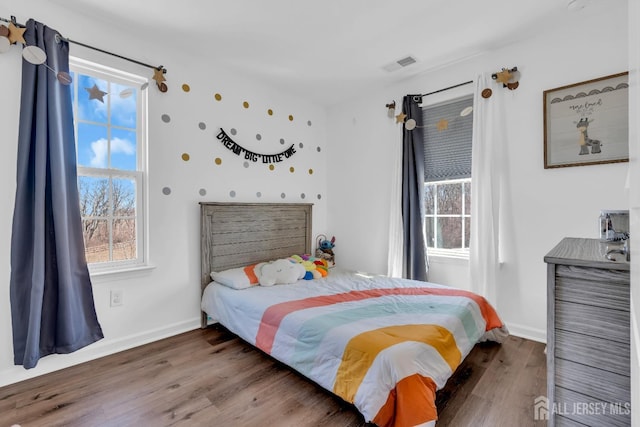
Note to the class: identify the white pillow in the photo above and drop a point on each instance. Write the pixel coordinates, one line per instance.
(237, 278)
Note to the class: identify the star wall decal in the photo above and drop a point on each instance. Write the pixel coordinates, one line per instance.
(400, 118)
(96, 93)
(16, 34)
(443, 124)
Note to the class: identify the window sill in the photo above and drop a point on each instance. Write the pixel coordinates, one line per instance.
(100, 276)
(447, 256)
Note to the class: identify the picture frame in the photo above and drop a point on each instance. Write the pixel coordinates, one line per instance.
(587, 123)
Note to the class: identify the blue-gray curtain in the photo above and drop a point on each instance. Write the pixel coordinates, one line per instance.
(52, 308)
(414, 260)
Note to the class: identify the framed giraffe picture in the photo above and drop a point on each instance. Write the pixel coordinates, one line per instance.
(587, 123)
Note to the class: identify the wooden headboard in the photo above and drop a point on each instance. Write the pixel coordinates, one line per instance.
(237, 234)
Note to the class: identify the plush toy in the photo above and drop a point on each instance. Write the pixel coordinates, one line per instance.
(315, 268)
(325, 249)
(280, 271)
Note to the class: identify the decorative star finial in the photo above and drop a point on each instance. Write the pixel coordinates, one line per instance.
(503, 77)
(96, 93)
(400, 118)
(158, 75)
(16, 34)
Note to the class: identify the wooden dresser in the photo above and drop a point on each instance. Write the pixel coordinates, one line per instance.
(588, 335)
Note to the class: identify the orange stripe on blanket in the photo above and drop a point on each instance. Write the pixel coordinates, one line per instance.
(364, 348)
(400, 409)
(273, 315)
(251, 275)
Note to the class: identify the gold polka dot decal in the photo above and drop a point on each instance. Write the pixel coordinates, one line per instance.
(185, 157)
(245, 104)
(271, 167)
(270, 112)
(292, 169)
(186, 88)
(290, 118)
(310, 171)
(218, 161)
(218, 97)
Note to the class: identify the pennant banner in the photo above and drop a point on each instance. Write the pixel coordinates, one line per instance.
(250, 155)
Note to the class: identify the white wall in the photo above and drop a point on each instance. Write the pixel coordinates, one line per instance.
(165, 300)
(545, 205)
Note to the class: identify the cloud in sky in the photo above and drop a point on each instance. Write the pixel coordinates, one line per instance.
(99, 150)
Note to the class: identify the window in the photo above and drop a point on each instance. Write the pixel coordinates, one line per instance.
(110, 109)
(447, 144)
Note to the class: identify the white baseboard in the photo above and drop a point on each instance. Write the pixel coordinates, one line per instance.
(527, 332)
(99, 349)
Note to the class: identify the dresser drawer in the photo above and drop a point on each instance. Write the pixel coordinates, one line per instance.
(589, 411)
(595, 382)
(596, 352)
(595, 321)
(593, 286)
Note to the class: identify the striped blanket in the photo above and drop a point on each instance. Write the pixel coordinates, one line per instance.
(386, 345)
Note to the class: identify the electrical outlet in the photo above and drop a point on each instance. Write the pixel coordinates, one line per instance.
(116, 297)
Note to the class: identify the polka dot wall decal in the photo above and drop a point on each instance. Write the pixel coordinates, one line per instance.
(302, 195)
(245, 104)
(166, 118)
(308, 122)
(218, 161)
(166, 191)
(218, 97)
(319, 149)
(271, 167)
(258, 136)
(310, 171)
(258, 194)
(202, 192)
(245, 164)
(319, 196)
(185, 157)
(233, 131)
(186, 88)
(290, 118)
(232, 193)
(282, 141)
(301, 145)
(282, 195)
(202, 125)
(292, 169)
(270, 112)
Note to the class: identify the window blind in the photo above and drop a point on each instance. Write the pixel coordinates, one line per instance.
(447, 140)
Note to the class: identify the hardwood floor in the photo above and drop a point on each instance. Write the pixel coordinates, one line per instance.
(212, 378)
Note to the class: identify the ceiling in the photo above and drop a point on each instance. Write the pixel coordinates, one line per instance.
(328, 50)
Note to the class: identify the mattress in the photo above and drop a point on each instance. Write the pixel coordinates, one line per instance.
(383, 344)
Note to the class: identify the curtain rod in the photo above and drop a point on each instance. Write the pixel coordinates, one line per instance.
(159, 67)
(447, 88)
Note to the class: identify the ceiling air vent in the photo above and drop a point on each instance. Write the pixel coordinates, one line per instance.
(400, 63)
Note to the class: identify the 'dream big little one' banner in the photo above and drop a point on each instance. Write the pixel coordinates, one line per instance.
(250, 155)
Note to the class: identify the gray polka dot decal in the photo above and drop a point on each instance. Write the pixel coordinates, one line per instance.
(202, 125)
(301, 145)
(282, 141)
(166, 191)
(166, 118)
(202, 192)
(245, 164)
(258, 194)
(318, 149)
(282, 195)
(233, 131)
(308, 122)
(319, 196)
(302, 196)
(258, 137)
(232, 193)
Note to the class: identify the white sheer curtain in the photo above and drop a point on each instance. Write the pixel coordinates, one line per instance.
(487, 186)
(396, 242)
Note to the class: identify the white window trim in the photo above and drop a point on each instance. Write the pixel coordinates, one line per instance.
(142, 263)
(460, 253)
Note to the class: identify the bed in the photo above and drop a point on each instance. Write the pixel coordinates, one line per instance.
(386, 345)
